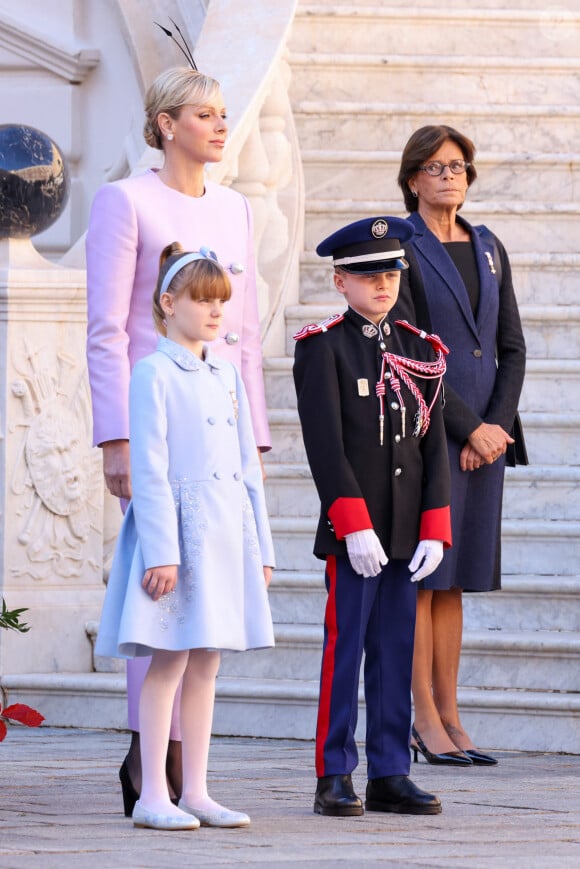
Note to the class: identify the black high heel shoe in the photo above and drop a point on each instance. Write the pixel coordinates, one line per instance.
(479, 758)
(447, 758)
(130, 795)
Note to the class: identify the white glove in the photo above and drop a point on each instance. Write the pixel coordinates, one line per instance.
(426, 559)
(365, 552)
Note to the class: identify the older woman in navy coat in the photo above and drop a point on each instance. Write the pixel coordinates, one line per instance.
(460, 282)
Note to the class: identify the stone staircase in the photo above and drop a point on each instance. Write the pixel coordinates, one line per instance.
(364, 77)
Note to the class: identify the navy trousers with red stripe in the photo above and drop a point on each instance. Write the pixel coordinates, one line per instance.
(376, 616)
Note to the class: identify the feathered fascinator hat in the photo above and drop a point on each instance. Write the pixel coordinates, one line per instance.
(182, 46)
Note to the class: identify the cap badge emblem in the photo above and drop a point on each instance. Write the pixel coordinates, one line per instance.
(379, 228)
(369, 331)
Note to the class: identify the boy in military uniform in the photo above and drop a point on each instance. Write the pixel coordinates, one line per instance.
(370, 408)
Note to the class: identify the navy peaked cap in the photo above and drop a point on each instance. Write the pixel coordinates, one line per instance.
(368, 246)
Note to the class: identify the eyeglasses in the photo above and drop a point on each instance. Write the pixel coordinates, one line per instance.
(436, 168)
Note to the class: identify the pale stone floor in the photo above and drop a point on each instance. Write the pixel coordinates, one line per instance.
(60, 806)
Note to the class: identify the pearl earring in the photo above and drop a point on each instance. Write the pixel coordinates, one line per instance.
(170, 137)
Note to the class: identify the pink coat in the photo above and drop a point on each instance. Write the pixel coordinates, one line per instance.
(131, 222)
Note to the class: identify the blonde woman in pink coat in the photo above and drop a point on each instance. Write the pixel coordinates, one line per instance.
(131, 221)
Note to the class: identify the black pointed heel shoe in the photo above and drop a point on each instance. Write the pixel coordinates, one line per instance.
(130, 795)
(479, 758)
(446, 758)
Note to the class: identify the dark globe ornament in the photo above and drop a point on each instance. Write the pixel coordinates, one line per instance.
(34, 181)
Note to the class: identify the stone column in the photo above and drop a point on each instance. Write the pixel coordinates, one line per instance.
(51, 492)
(50, 477)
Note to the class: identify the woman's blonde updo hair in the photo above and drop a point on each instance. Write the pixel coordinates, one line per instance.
(202, 279)
(170, 91)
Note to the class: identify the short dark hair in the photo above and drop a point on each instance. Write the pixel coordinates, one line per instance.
(423, 143)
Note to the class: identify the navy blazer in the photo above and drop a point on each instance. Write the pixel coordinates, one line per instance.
(486, 365)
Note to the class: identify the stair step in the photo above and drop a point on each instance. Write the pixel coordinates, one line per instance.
(530, 492)
(552, 435)
(298, 596)
(551, 385)
(526, 545)
(295, 656)
(329, 173)
(535, 660)
(533, 492)
(507, 32)
(94, 700)
(551, 331)
(290, 491)
(547, 435)
(329, 123)
(325, 216)
(293, 542)
(551, 279)
(490, 5)
(540, 544)
(521, 720)
(549, 79)
(527, 602)
(522, 113)
(504, 719)
(286, 708)
(287, 443)
(278, 382)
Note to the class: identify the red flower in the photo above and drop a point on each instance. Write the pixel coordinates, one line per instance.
(21, 713)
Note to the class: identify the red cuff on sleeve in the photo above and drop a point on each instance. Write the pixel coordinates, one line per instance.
(436, 525)
(348, 515)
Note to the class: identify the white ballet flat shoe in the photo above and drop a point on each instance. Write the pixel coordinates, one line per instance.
(142, 817)
(220, 817)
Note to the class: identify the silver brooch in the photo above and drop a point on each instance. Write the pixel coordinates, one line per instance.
(369, 331)
(490, 262)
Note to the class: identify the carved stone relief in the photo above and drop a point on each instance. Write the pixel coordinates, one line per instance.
(56, 475)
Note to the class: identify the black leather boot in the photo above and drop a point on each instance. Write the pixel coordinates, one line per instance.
(335, 796)
(397, 793)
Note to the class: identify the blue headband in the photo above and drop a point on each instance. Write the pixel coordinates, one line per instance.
(203, 253)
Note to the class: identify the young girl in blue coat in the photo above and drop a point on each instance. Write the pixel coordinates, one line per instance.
(195, 554)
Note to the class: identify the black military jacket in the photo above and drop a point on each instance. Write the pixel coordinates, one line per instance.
(401, 489)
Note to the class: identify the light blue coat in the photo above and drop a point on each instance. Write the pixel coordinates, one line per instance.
(198, 501)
